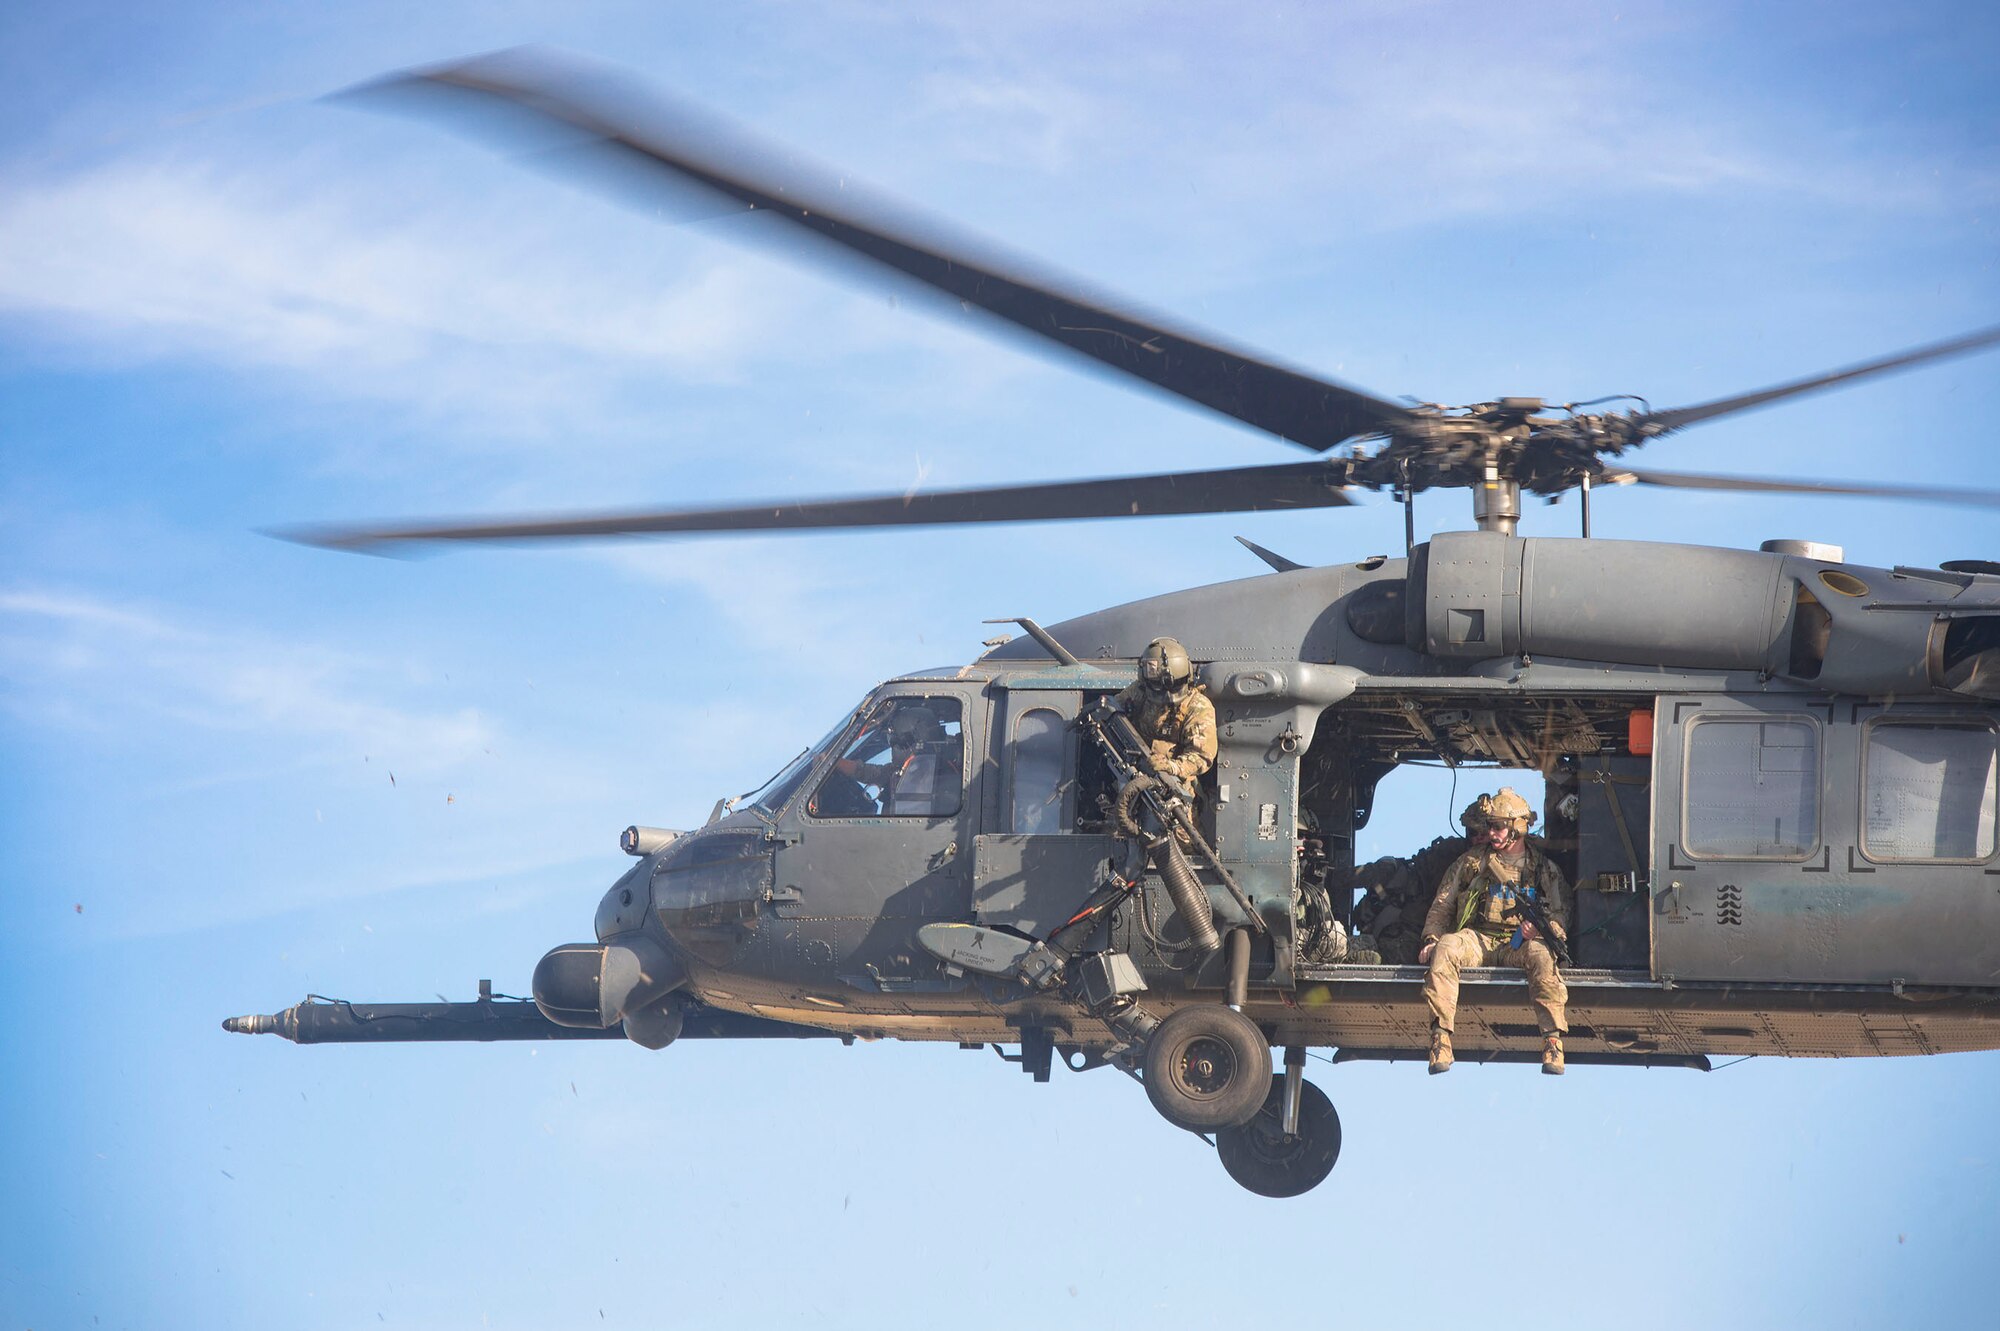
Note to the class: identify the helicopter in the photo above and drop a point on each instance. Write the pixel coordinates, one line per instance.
(1772, 777)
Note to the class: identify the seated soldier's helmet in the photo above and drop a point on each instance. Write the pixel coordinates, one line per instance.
(1165, 666)
(914, 725)
(1473, 820)
(1505, 806)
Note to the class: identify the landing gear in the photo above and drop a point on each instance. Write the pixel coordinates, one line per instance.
(1207, 1067)
(1271, 1162)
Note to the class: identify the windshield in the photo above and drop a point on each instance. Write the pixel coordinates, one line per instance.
(771, 796)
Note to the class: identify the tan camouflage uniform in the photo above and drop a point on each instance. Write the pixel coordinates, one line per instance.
(1473, 918)
(1180, 733)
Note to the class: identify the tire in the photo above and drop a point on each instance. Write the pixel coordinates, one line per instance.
(1207, 1067)
(1263, 1159)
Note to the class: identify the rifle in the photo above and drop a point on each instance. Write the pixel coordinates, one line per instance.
(1534, 912)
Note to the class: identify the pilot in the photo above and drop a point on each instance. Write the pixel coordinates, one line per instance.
(1171, 713)
(1400, 888)
(1475, 920)
(924, 774)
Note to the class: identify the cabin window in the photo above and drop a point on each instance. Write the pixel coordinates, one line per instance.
(907, 762)
(1930, 790)
(1038, 772)
(1751, 788)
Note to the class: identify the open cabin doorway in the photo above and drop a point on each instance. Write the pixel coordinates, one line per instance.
(1388, 776)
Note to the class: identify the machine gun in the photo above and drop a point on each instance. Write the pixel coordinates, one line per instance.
(1143, 786)
(1141, 783)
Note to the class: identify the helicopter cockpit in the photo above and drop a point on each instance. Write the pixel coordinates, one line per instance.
(906, 761)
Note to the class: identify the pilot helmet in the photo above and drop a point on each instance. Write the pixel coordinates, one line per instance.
(1165, 667)
(914, 726)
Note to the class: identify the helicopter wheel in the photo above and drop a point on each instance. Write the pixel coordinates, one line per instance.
(1206, 1067)
(1261, 1157)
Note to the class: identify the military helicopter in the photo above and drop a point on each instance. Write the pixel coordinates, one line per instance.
(1773, 777)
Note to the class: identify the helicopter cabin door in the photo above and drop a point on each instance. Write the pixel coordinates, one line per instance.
(1801, 838)
(880, 846)
(1045, 844)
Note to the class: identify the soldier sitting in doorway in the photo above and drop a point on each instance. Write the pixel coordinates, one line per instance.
(1476, 920)
(1399, 891)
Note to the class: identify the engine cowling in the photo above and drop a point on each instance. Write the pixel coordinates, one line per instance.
(1844, 628)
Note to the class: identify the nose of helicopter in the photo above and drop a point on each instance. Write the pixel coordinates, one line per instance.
(707, 893)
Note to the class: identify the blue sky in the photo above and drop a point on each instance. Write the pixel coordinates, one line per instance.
(226, 304)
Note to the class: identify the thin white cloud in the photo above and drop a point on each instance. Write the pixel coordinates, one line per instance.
(1016, 122)
(1370, 116)
(158, 259)
(772, 593)
(76, 661)
(563, 319)
(296, 741)
(527, 316)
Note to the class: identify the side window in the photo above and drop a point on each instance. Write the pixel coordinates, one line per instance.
(1751, 788)
(1037, 760)
(1929, 790)
(908, 761)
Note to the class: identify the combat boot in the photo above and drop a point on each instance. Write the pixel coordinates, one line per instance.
(1440, 1049)
(1552, 1054)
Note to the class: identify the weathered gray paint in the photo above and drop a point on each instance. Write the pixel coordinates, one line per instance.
(1034, 883)
(1616, 614)
(815, 920)
(1832, 916)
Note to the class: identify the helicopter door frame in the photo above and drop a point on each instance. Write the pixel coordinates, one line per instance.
(868, 881)
(1738, 904)
(1033, 881)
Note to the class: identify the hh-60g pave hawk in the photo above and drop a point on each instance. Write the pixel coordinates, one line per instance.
(1773, 777)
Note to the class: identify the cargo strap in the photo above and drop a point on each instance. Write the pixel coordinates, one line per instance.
(1607, 781)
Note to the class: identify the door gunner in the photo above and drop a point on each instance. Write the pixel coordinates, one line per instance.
(1171, 713)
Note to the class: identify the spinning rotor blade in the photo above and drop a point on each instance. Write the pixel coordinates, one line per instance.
(660, 142)
(1235, 490)
(1676, 418)
(1935, 494)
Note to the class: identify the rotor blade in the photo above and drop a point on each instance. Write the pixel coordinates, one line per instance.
(1932, 494)
(1236, 490)
(1677, 417)
(660, 139)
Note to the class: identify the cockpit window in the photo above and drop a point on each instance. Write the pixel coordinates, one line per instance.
(908, 761)
(773, 794)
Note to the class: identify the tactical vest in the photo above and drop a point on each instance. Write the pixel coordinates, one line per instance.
(1163, 724)
(1490, 904)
